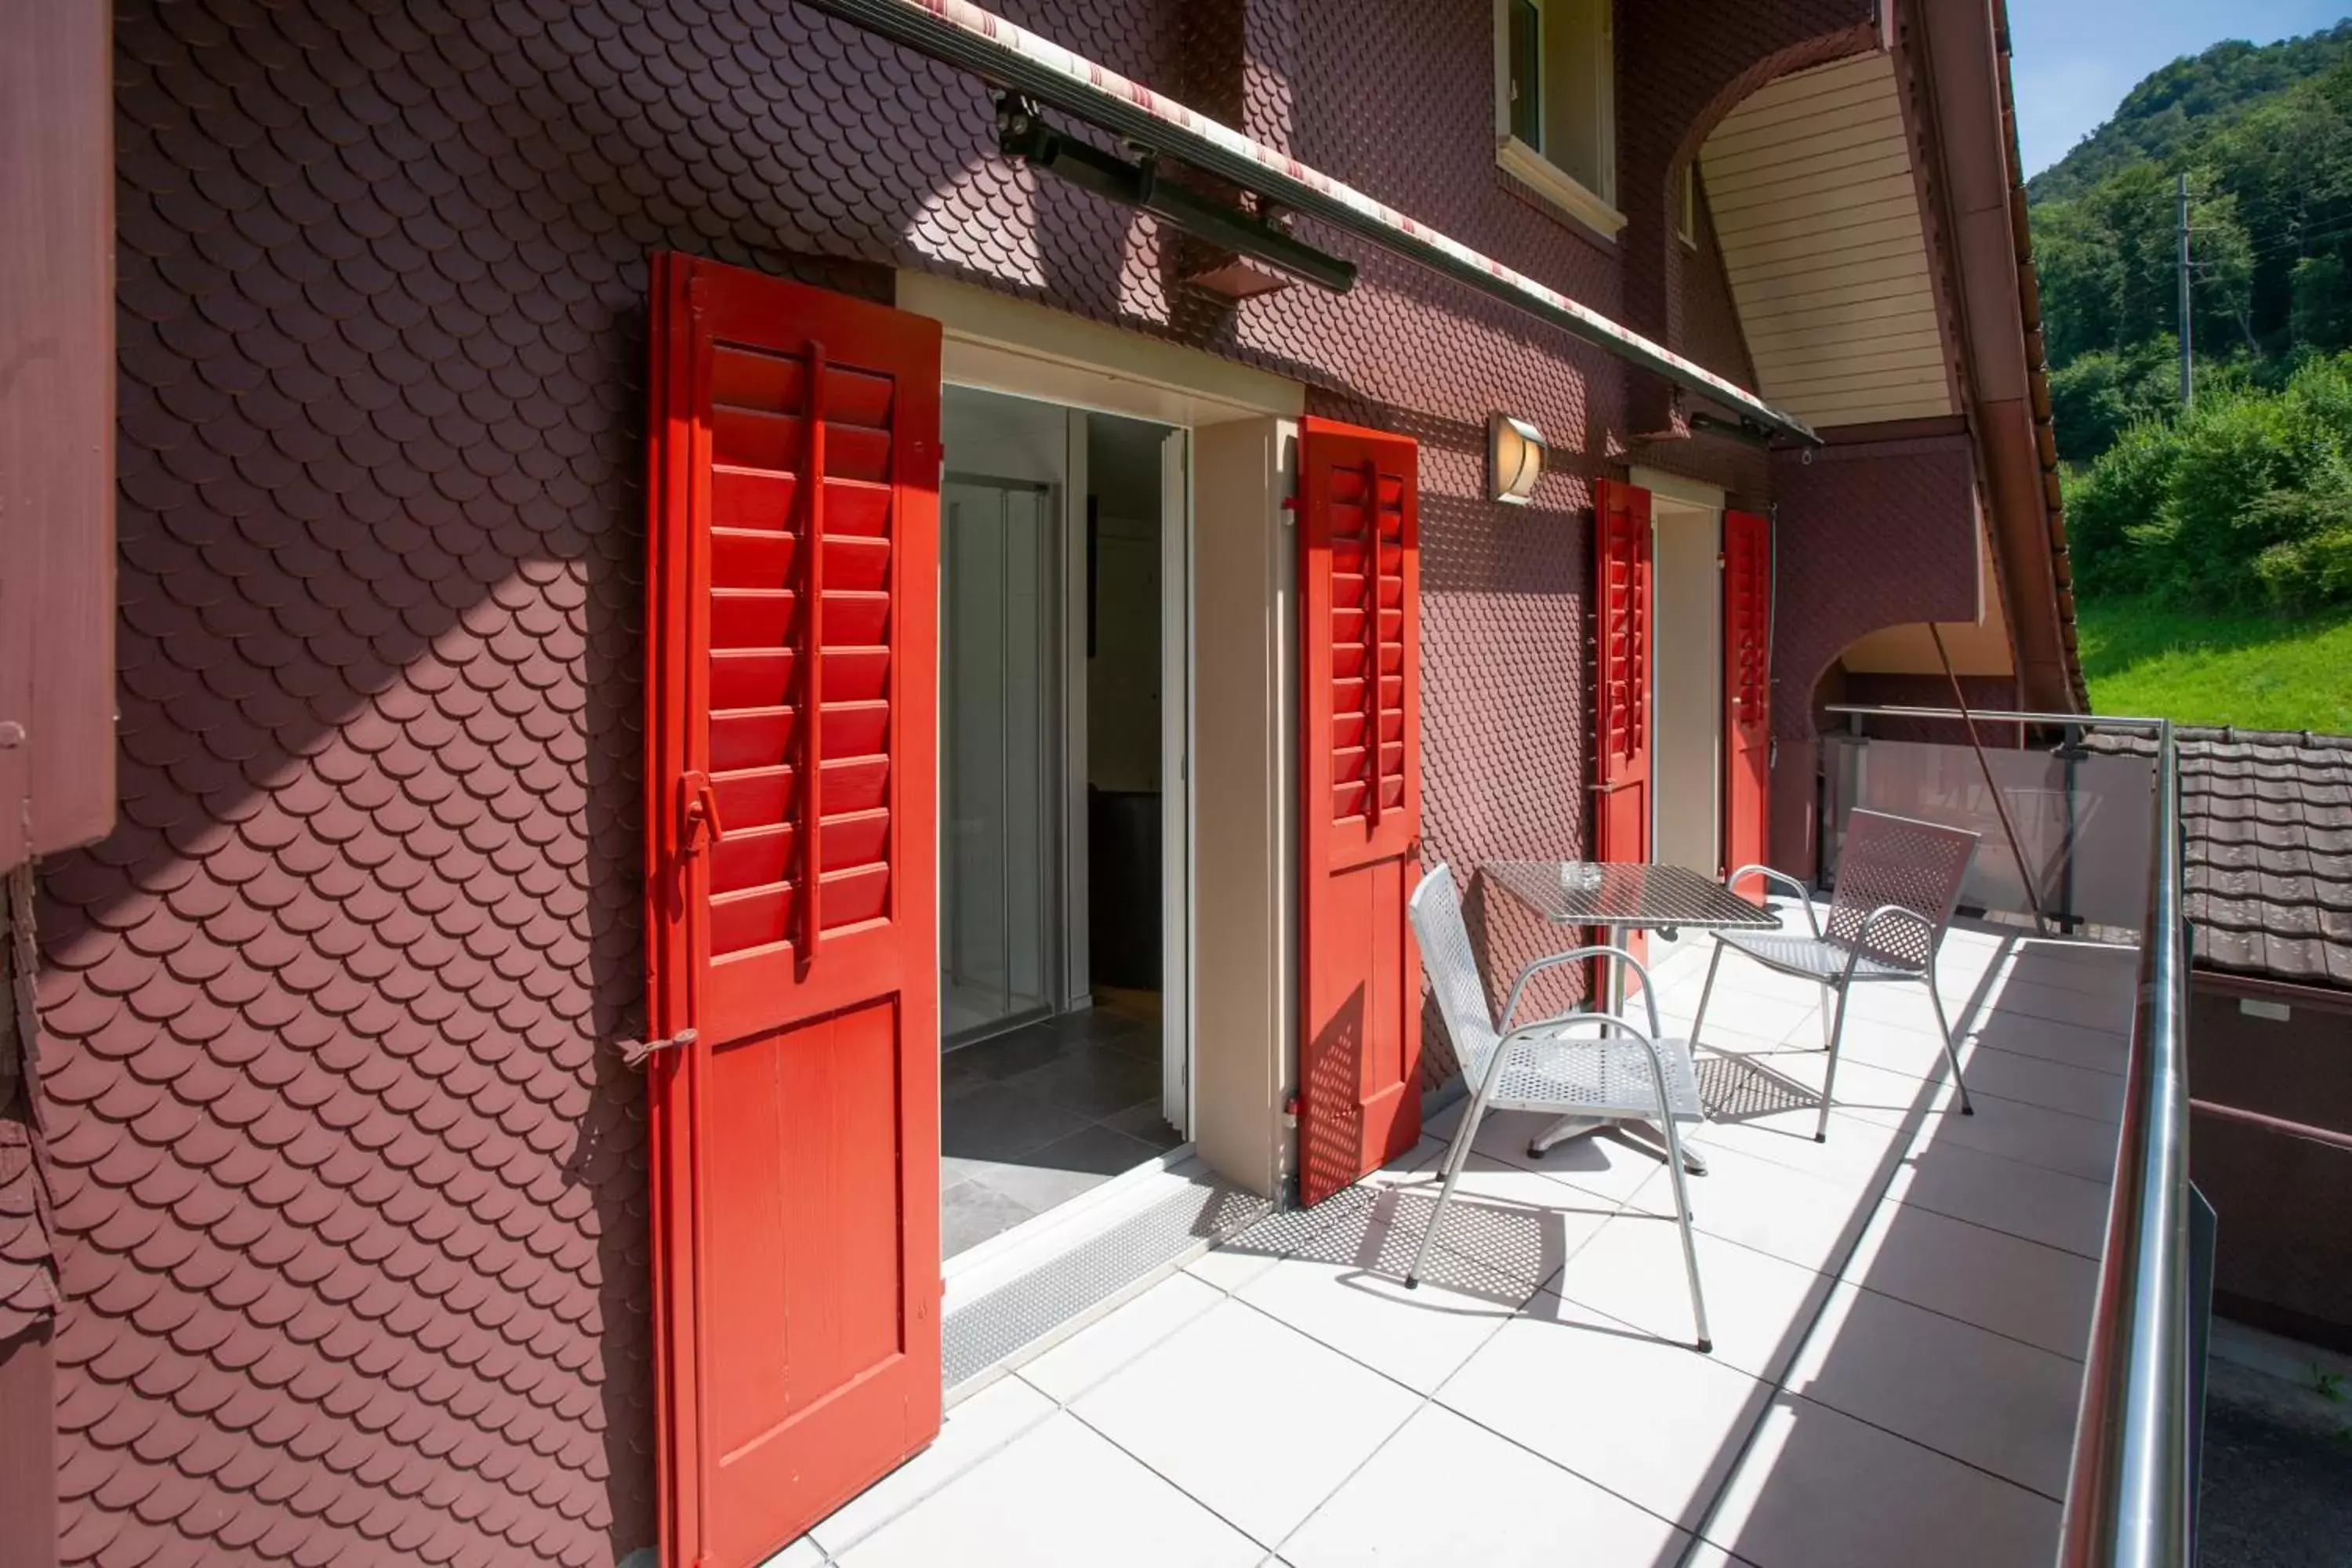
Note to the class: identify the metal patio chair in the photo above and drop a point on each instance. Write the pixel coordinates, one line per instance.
(1898, 881)
(1551, 1065)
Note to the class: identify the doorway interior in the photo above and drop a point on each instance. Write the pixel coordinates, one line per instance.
(1686, 689)
(1064, 863)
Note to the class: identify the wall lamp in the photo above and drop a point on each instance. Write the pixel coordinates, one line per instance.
(1515, 459)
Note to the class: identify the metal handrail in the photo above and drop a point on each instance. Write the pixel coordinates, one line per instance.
(1993, 715)
(2128, 1502)
(2129, 1492)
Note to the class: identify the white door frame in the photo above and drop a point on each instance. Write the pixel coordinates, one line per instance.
(998, 343)
(1176, 616)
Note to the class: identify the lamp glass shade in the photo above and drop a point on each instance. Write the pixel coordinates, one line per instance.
(1515, 459)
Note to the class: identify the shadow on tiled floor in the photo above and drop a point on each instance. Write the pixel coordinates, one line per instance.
(1034, 1117)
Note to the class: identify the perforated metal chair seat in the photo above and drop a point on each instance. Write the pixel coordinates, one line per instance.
(1578, 1074)
(1815, 958)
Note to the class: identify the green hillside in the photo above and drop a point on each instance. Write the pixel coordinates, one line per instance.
(2187, 101)
(2264, 136)
(2212, 546)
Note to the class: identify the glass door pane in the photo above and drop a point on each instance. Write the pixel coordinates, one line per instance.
(997, 723)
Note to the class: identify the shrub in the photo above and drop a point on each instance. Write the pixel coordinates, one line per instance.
(2245, 500)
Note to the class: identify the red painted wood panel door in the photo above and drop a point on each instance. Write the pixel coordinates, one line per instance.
(791, 888)
(1359, 821)
(1621, 597)
(1747, 687)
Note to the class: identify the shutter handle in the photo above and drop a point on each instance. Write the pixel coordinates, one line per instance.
(699, 808)
(636, 1053)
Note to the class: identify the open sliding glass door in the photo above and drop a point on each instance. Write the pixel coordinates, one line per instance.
(1175, 780)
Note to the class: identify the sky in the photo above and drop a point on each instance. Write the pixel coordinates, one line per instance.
(2075, 59)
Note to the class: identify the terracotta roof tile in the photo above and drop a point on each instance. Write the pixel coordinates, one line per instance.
(2268, 818)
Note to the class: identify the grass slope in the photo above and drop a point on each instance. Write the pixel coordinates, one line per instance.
(2257, 671)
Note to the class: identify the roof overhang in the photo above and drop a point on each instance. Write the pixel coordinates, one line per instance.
(966, 37)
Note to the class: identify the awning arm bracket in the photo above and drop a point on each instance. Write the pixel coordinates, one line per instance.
(1021, 134)
(963, 36)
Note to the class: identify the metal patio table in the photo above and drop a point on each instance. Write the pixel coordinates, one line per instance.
(1620, 896)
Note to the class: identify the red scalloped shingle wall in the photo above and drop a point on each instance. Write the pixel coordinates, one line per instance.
(350, 1194)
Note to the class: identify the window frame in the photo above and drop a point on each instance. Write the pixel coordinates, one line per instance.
(1529, 163)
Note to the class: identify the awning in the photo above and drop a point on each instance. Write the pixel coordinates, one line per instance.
(980, 41)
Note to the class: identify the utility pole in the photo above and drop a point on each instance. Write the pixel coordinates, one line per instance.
(2181, 187)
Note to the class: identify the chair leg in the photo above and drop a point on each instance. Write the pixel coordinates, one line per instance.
(1705, 992)
(1829, 1073)
(1683, 1219)
(1457, 1156)
(1829, 1003)
(1951, 1048)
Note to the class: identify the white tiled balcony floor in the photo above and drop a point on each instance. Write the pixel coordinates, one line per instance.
(1898, 1318)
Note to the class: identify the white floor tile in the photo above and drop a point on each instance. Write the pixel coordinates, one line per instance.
(1915, 1053)
(1359, 1306)
(1101, 1348)
(2032, 1201)
(1253, 1418)
(2077, 1146)
(1796, 1217)
(1766, 1016)
(1863, 1088)
(1859, 1152)
(2039, 1294)
(1984, 1400)
(1819, 1489)
(975, 1429)
(1446, 1493)
(1600, 1164)
(1061, 1496)
(1657, 1423)
(2100, 1049)
(1515, 1223)
(2053, 1085)
(801, 1553)
(2018, 996)
(1758, 1305)
(2108, 971)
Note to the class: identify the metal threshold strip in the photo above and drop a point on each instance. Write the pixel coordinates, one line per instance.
(964, 35)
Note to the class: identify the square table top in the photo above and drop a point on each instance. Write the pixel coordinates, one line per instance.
(1627, 893)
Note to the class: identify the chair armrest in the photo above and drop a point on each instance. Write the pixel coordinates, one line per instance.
(1804, 894)
(1897, 913)
(1649, 992)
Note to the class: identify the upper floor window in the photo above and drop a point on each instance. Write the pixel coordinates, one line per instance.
(1555, 111)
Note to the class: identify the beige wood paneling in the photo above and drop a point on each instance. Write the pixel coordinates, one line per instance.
(1809, 182)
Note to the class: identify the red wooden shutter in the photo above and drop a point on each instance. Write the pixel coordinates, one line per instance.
(1620, 727)
(1747, 686)
(1620, 686)
(790, 884)
(1359, 823)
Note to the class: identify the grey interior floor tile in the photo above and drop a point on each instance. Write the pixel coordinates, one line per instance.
(1068, 1166)
(998, 1122)
(972, 1212)
(1094, 1080)
(1037, 1115)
